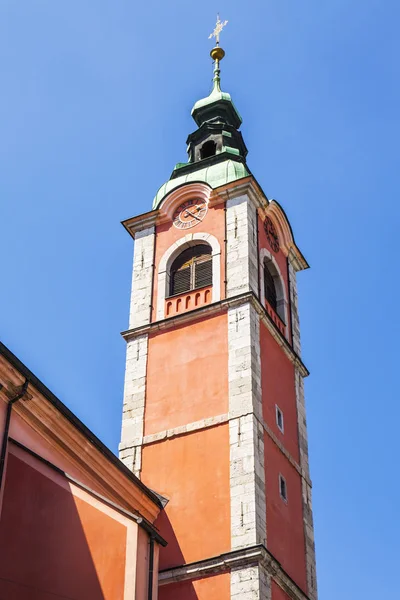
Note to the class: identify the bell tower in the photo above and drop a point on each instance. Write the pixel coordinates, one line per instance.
(214, 412)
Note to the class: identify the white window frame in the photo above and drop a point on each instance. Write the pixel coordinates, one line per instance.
(278, 411)
(283, 480)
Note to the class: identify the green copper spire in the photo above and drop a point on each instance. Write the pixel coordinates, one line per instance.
(216, 150)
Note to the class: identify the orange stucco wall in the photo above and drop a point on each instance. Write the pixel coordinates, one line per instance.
(211, 588)
(167, 234)
(52, 542)
(278, 387)
(277, 592)
(285, 533)
(187, 374)
(191, 470)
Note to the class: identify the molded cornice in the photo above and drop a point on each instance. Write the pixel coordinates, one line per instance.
(215, 308)
(237, 558)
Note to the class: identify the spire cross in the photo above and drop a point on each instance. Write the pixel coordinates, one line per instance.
(218, 28)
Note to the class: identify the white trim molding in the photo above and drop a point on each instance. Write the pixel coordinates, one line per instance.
(191, 239)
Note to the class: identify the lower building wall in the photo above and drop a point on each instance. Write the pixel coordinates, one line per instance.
(278, 593)
(192, 471)
(56, 540)
(285, 529)
(211, 588)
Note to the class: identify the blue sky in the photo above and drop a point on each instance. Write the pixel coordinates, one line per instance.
(95, 111)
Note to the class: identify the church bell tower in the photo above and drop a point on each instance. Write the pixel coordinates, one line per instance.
(214, 412)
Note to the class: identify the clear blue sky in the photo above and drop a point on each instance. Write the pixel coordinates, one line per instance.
(95, 110)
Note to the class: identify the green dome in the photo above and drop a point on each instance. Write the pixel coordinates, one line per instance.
(217, 104)
(215, 96)
(214, 175)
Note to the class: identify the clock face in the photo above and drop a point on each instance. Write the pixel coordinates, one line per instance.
(190, 213)
(272, 234)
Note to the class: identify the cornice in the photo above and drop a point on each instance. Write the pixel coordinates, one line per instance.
(69, 437)
(105, 500)
(223, 563)
(214, 309)
(45, 419)
(144, 221)
(246, 186)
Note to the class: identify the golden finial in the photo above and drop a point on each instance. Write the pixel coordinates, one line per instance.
(217, 53)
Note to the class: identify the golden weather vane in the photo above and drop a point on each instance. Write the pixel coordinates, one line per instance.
(218, 28)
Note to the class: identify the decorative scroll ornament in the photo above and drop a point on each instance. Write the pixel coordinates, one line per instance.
(272, 234)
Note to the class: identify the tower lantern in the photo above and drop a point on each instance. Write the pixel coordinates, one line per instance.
(214, 413)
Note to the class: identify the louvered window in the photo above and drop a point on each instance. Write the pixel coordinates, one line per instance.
(270, 290)
(191, 270)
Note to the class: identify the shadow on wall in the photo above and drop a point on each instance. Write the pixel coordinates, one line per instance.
(44, 551)
(172, 556)
(178, 591)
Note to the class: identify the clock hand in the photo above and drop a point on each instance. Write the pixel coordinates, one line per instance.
(191, 214)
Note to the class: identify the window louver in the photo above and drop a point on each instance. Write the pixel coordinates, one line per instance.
(270, 291)
(191, 270)
(203, 273)
(181, 281)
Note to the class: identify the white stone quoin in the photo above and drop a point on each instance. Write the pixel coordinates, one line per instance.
(142, 278)
(241, 246)
(134, 403)
(246, 435)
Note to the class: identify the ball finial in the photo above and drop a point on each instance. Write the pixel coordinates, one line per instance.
(217, 53)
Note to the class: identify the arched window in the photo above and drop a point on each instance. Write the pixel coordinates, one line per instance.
(273, 286)
(208, 149)
(191, 270)
(270, 289)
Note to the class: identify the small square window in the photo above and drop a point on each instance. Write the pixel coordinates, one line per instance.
(279, 418)
(283, 488)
